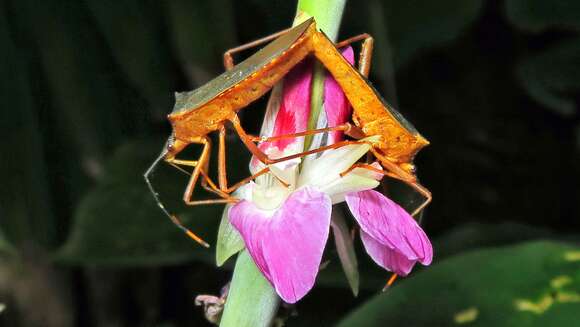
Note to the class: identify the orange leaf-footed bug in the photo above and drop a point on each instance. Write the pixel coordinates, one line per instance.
(209, 108)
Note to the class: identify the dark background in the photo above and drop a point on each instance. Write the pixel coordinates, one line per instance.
(86, 86)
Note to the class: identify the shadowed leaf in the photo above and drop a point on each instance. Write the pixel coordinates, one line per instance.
(553, 76)
(133, 32)
(417, 25)
(472, 236)
(229, 241)
(119, 223)
(345, 249)
(5, 246)
(529, 284)
(25, 201)
(537, 15)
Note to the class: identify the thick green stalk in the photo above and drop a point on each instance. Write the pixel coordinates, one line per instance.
(328, 14)
(252, 301)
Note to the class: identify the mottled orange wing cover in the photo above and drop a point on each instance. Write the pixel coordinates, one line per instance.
(204, 110)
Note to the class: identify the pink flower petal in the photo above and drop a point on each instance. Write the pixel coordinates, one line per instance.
(386, 257)
(336, 105)
(295, 106)
(287, 244)
(390, 225)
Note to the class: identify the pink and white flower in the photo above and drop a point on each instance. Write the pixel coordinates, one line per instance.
(284, 217)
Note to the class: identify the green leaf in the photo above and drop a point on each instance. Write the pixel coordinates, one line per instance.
(529, 284)
(465, 237)
(475, 235)
(133, 31)
(229, 241)
(121, 225)
(252, 302)
(118, 222)
(345, 249)
(26, 214)
(87, 101)
(417, 25)
(537, 15)
(552, 76)
(197, 39)
(5, 247)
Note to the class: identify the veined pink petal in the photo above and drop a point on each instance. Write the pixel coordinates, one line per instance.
(287, 244)
(336, 105)
(295, 106)
(390, 225)
(387, 257)
(287, 113)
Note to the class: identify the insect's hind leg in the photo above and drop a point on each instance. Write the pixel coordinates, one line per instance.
(395, 172)
(200, 169)
(173, 218)
(366, 54)
(228, 55)
(249, 140)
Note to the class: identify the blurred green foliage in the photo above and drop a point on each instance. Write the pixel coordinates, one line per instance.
(86, 85)
(229, 241)
(551, 78)
(530, 284)
(538, 15)
(116, 223)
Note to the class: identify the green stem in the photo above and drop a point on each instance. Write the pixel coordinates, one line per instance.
(328, 14)
(252, 301)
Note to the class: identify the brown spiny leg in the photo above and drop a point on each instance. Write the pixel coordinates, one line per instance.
(200, 166)
(249, 140)
(366, 54)
(169, 156)
(222, 173)
(392, 170)
(249, 179)
(206, 181)
(364, 58)
(228, 55)
(348, 128)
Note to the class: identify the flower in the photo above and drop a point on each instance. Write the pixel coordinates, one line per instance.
(284, 217)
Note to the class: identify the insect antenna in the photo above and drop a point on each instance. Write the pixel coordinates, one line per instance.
(172, 217)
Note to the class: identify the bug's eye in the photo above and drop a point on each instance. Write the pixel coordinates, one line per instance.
(170, 146)
(409, 167)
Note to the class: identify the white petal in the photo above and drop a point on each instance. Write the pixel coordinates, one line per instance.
(359, 179)
(324, 170)
(270, 195)
(287, 174)
(272, 109)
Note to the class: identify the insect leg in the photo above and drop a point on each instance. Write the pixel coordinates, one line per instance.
(200, 167)
(248, 179)
(248, 141)
(173, 218)
(394, 171)
(228, 55)
(206, 181)
(222, 173)
(366, 53)
(342, 127)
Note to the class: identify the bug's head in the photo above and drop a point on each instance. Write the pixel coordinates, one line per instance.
(173, 146)
(409, 168)
(170, 142)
